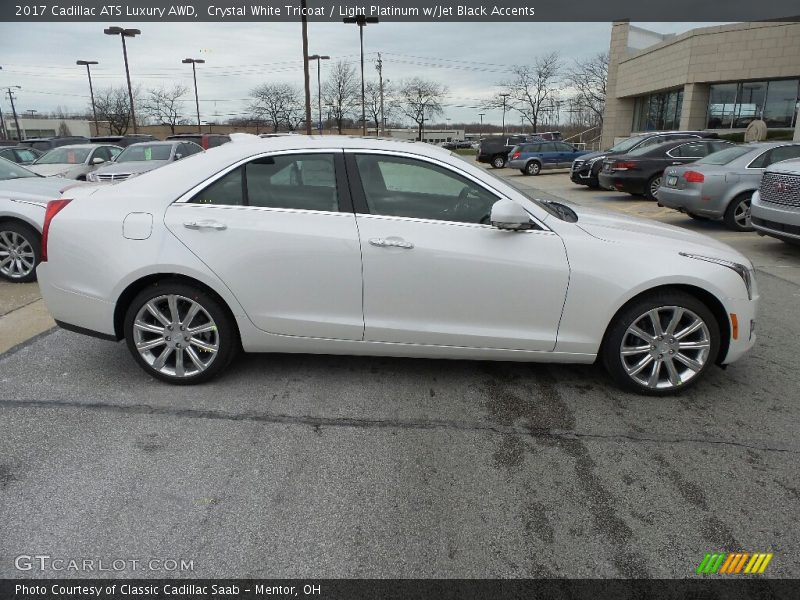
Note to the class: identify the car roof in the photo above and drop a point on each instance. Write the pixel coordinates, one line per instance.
(77, 146)
(156, 143)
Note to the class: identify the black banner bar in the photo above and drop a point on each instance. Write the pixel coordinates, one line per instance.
(734, 588)
(397, 10)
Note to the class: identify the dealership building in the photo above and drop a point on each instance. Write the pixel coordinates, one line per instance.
(719, 78)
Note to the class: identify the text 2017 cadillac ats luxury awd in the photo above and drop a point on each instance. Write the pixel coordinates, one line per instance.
(360, 246)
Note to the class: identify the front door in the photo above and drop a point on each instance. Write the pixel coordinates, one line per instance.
(435, 271)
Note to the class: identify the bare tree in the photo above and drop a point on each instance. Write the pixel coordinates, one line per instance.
(589, 79)
(342, 91)
(113, 106)
(164, 106)
(276, 103)
(534, 87)
(420, 99)
(372, 92)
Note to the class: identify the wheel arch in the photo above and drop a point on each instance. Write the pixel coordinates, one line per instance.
(129, 293)
(710, 300)
(21, 221)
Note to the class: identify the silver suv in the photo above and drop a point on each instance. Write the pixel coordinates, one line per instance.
(775, 208)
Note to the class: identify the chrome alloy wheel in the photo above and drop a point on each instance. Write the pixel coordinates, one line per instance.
(176, 336)
(655, 183)
(741, 214)
(665, 347)
(17, 259)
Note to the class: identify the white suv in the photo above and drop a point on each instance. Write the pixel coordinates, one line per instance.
(775, 207)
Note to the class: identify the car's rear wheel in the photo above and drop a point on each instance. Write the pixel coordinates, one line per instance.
(179, 333)
(661, 344)
(498, 162)
(651, 191)
(737, 215)
(533, 168)
(20, 247)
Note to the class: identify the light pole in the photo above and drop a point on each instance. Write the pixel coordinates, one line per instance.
(362, 20)
(2, 121)
(86, 63)
(193, 62)
(123, 33)
(480, 132)
(504, 97)
(13, 109)
(319, 58)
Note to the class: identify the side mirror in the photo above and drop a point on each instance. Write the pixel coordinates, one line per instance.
(98, 161)
(510, 216)
(178, 156)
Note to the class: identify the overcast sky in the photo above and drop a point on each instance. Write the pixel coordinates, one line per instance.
(470, 58)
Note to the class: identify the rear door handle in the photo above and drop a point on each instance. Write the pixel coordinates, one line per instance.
(216, 225)
(391, 243)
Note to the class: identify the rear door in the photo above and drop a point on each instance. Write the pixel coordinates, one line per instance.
(280, 232)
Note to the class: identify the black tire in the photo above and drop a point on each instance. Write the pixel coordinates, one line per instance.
(633, 312)
(593, 183)
(534, 167)
(225, 335)
(498, 162)
(653, 182)
(523, 171)
(697, 217)
(737, 215)
(23, 237)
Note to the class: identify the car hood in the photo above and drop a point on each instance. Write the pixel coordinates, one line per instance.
(39, 190)
(651, 234)
(132, 167)
(591, 155)
(50, 170)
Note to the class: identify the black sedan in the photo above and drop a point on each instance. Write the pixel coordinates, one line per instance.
(639, 171)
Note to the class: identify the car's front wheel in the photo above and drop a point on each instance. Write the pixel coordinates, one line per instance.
(19, 252)
(179, 333)
(661, 344)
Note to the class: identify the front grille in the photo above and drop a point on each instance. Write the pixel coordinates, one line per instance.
(779, 188)
(112, 176)
(577, 164)
(775, 226)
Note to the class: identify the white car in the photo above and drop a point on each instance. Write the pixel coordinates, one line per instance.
(339, 245)
(23, 198)
(76, 161)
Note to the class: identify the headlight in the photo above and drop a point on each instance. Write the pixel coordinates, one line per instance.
(742, 270)
(91, 177)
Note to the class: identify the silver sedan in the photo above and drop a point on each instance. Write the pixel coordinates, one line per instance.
(721, 185)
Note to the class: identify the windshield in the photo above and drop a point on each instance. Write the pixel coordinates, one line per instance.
(64, 156)
(137, 153)
(626, 145)
(558, 209)
(723, 157)
(10, 170)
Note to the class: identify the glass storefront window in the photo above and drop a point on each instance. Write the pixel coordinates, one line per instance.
(658, 112)
(736, 105)
(779, 108)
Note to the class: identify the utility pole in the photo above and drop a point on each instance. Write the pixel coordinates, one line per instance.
(379, 67)
(480, 133)
(504, 97)
(306, 75)
(14, 111)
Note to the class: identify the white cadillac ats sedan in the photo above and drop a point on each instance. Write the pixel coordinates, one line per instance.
(340, 245)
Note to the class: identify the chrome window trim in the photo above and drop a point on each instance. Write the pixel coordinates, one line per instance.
(450, 223)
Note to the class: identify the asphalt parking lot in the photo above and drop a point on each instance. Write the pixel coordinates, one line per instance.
(314, 466)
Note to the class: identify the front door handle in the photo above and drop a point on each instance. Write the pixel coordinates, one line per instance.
(216, 225)
(391, 243)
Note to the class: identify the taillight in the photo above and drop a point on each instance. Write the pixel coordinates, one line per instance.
(625, 165)
(694, 177)
(515, 155)
(53, 208)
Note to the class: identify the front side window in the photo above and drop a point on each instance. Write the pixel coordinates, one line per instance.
(293, 181)
(404, 187)
(782, 153)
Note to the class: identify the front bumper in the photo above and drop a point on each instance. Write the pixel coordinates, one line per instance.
(775, 220)
(745, 338)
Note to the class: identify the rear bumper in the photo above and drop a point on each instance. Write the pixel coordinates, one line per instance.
(517, 164)
(688, 201)
(621, 183)
(75, 311)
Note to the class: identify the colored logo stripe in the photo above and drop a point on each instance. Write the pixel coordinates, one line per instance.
(734, 563)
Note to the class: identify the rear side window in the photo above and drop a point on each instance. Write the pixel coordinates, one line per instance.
(782, 153)
(217, 140)
(691, 150)
(294, 181)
